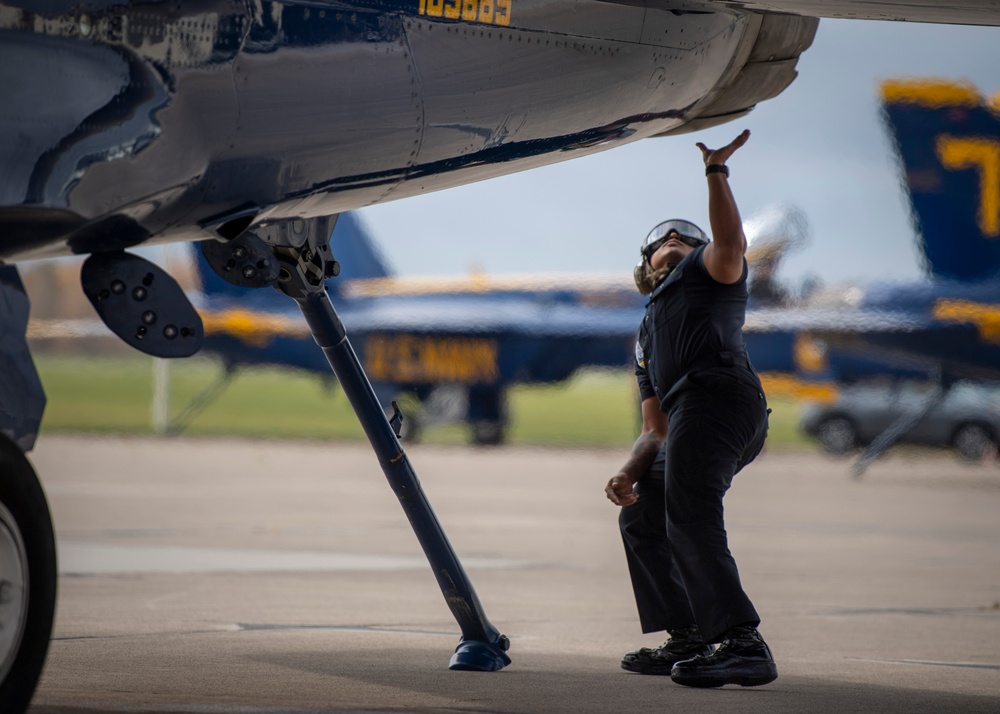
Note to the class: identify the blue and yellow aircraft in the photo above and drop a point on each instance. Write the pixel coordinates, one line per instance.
(947, 136)
(457, 344)
(251, 125)
(945, 327)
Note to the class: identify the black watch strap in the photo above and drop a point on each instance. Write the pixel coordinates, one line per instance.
(717, 169)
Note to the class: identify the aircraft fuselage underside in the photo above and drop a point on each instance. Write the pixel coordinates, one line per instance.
(150, 122)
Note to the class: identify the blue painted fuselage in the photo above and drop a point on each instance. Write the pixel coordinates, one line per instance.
(948, 140)
(481, 332)
(144, 121)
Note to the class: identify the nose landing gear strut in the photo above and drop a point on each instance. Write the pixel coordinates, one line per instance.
(302, 272)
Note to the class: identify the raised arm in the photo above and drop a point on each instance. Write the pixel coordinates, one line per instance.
(724, 255)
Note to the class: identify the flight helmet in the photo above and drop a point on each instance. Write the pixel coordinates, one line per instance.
(646, 278)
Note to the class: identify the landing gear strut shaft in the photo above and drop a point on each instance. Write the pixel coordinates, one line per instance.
(482, 647)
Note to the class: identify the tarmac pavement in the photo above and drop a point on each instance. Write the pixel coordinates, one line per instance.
(264, 577)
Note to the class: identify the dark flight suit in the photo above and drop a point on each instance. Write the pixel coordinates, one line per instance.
(690, 354)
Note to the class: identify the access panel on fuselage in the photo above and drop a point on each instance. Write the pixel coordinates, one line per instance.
(330, 93)
(563, 76)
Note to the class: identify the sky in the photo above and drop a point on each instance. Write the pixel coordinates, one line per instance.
(819, 146)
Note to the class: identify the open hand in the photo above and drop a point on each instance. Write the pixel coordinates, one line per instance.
(720, 156)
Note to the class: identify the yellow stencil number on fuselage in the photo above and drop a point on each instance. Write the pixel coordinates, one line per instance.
(490, 12)
(982, 155)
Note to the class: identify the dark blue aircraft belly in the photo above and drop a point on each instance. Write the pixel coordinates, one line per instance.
(960, 351)
(490, 340)
(347, 107)
(102, 73)
(486, 87)
(430, 358)
(406, 105)
(157, 119)
(136, 102)
(771, 351)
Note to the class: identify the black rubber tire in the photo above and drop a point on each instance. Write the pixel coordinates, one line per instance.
(488, 433)
(22, 497)
(837, 435)
(972, 441)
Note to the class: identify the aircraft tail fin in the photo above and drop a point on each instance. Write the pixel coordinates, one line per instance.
(948, 138)
(352, 245)
(355, 249)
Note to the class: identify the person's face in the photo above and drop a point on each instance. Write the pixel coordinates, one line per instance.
(672, 251)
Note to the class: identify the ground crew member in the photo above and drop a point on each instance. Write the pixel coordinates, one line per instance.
(704, 417)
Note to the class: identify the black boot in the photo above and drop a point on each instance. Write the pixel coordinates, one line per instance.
(684, 643)
(743, 658)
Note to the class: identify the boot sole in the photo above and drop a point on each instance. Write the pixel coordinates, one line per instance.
(657, 670)
(709, 682)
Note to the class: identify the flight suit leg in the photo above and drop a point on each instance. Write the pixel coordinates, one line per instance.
(715, 430)
(659, 591)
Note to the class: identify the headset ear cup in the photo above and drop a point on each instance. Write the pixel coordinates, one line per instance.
(641, 275)
(646, 278)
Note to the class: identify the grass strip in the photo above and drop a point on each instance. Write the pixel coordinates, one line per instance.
(594, 409)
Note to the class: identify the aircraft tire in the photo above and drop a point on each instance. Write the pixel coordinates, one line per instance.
(837, 435)
(488, 433)
(972, 441)
(27, 579)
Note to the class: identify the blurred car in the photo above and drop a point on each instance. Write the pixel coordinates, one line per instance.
(967, 419)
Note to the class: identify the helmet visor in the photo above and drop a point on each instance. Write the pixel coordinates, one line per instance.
(686, 231)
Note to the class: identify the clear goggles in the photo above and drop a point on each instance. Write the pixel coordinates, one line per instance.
(686, 231)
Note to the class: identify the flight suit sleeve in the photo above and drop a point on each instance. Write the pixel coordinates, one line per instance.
(699, 261)
(642, 375)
